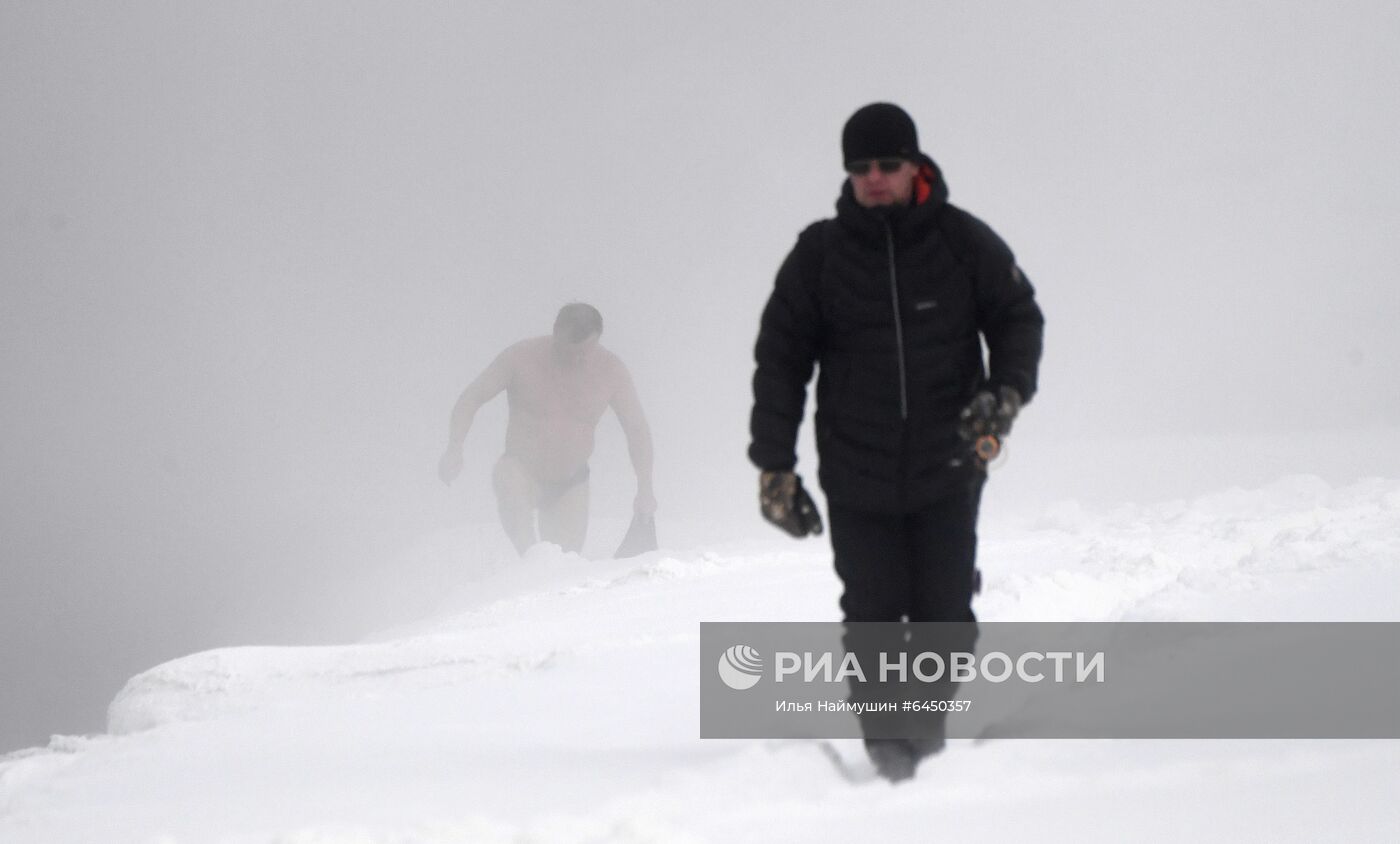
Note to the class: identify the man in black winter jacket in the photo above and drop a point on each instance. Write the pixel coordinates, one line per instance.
(893, 298)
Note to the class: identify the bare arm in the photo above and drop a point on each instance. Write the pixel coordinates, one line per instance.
(487, 386)
(634, 426)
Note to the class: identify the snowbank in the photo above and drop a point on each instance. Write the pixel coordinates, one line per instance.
(561, 704)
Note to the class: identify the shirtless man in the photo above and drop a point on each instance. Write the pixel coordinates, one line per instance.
(557, 388)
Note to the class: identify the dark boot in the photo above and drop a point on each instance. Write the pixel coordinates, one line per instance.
(894, 759)
(930, 738)
(925, 747)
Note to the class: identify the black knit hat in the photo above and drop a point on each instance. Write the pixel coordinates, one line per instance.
(880, 130)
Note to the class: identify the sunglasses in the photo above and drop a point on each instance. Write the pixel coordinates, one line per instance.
(885, 165)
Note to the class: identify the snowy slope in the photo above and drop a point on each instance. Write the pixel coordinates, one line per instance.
(562, 705)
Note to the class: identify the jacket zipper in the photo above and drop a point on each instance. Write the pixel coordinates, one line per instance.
(898, 327)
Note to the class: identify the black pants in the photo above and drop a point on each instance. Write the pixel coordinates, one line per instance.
(908, 566)
(913, 567)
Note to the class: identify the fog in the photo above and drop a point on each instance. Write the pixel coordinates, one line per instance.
(251, 253)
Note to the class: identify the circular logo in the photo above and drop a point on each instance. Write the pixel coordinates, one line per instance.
(740, 667)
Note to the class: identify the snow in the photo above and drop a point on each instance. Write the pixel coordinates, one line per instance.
(557, 700)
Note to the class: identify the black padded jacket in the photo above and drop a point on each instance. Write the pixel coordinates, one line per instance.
(893, 304)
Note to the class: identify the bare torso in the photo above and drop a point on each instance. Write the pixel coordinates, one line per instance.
(555, 407)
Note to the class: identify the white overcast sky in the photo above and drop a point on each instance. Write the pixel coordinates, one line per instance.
(249, 253)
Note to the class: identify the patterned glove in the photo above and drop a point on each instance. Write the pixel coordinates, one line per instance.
(990, 415)
(786, 504)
